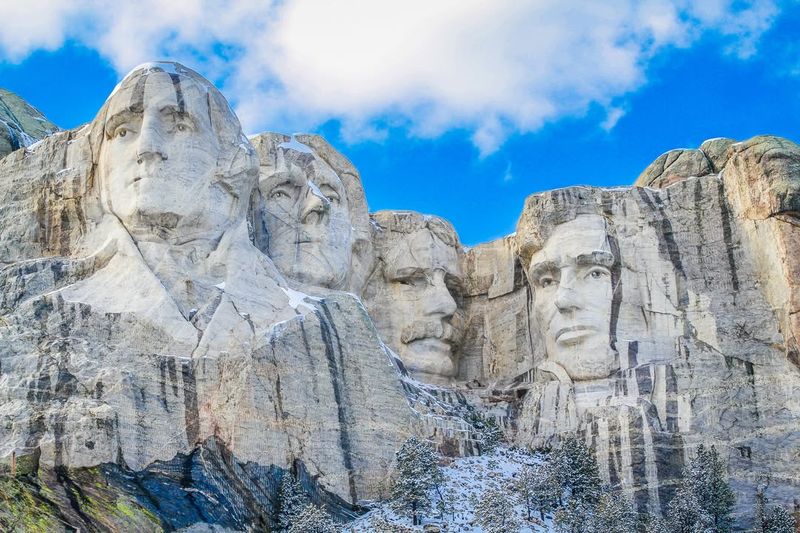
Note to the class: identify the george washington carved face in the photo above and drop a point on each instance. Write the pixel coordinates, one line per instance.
(168, 150)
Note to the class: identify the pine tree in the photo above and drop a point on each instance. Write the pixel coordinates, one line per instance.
(772, 519)
(704, 501)
(312, 519)
(572, 517)
(711, 486)
(655, 524)
(613, 514)
(292, 499)
(489, 433)
(447, 503)
(537, 489)
(495, 512)
(778, 520)
(418, 473)
(574, 468)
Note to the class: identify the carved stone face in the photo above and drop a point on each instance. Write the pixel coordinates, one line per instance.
(414, 313)
(571, 278)
(158, 159)
(307, 217)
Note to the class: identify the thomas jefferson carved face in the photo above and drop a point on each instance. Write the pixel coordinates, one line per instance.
(572, 285)
(414, 305)
(158, 160)
(307, 217)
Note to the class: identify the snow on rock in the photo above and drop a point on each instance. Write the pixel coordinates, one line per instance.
(466, 479)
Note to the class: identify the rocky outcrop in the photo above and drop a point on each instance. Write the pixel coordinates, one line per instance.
(701, 342)
(169, 349)
(21, 125)
(123, 343)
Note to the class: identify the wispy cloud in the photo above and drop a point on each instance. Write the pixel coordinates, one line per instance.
(492, 68)
(508, 176)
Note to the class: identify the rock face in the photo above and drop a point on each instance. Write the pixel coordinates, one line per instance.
(21, 125)
(411, 293)
(181, 321)
(309, 213)
(138, 319)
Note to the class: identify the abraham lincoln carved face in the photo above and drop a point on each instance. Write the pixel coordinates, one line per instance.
(572, 284)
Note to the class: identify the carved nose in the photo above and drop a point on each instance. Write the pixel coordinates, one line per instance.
(566, 298)
(440, 302)
(151, 144)
(314, 208)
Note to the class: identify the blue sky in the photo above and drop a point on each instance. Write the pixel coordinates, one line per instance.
(460, 109)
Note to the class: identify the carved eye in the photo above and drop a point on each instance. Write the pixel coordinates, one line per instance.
(276, 195)
(121, 132)
(598, 273)
(330, 193)
(547, 281)
(182, 127)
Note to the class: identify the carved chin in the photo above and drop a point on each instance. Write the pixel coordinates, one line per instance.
(318, 277)
(591, 367)
(429, 357)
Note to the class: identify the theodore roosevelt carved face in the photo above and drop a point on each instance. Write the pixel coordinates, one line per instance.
(571, 277)
(412, 295)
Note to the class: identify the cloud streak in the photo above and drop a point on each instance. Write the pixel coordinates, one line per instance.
(491, 68)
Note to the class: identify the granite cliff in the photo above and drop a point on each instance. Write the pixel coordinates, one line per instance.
(187, 315)
(20, 123)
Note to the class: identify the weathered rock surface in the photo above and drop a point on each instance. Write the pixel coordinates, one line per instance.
(169, 349)
(21, 124)
(127, 337)
(702, 340)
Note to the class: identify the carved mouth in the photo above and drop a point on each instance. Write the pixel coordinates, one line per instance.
(433, 345)
(573, 334)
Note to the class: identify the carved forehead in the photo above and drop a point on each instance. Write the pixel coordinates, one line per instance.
(159, 90)
(421, 249)
(583, 234)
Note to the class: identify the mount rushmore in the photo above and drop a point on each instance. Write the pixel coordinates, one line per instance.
(186, 311)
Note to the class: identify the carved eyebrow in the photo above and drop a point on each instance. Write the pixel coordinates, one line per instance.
(277, 179)
(118, 118)
(545, 267)
(284, 183)
(598, 258)
(331, 186)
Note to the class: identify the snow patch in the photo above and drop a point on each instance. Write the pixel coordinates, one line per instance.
(294, 144)
(298, 299)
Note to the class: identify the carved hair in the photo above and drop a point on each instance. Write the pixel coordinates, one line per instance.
(407, 222)
(545, 211)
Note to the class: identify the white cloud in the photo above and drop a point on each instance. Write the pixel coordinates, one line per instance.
(492, 68)
(508, 176)
(613, 114)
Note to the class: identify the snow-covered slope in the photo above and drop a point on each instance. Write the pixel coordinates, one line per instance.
(466, 481)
